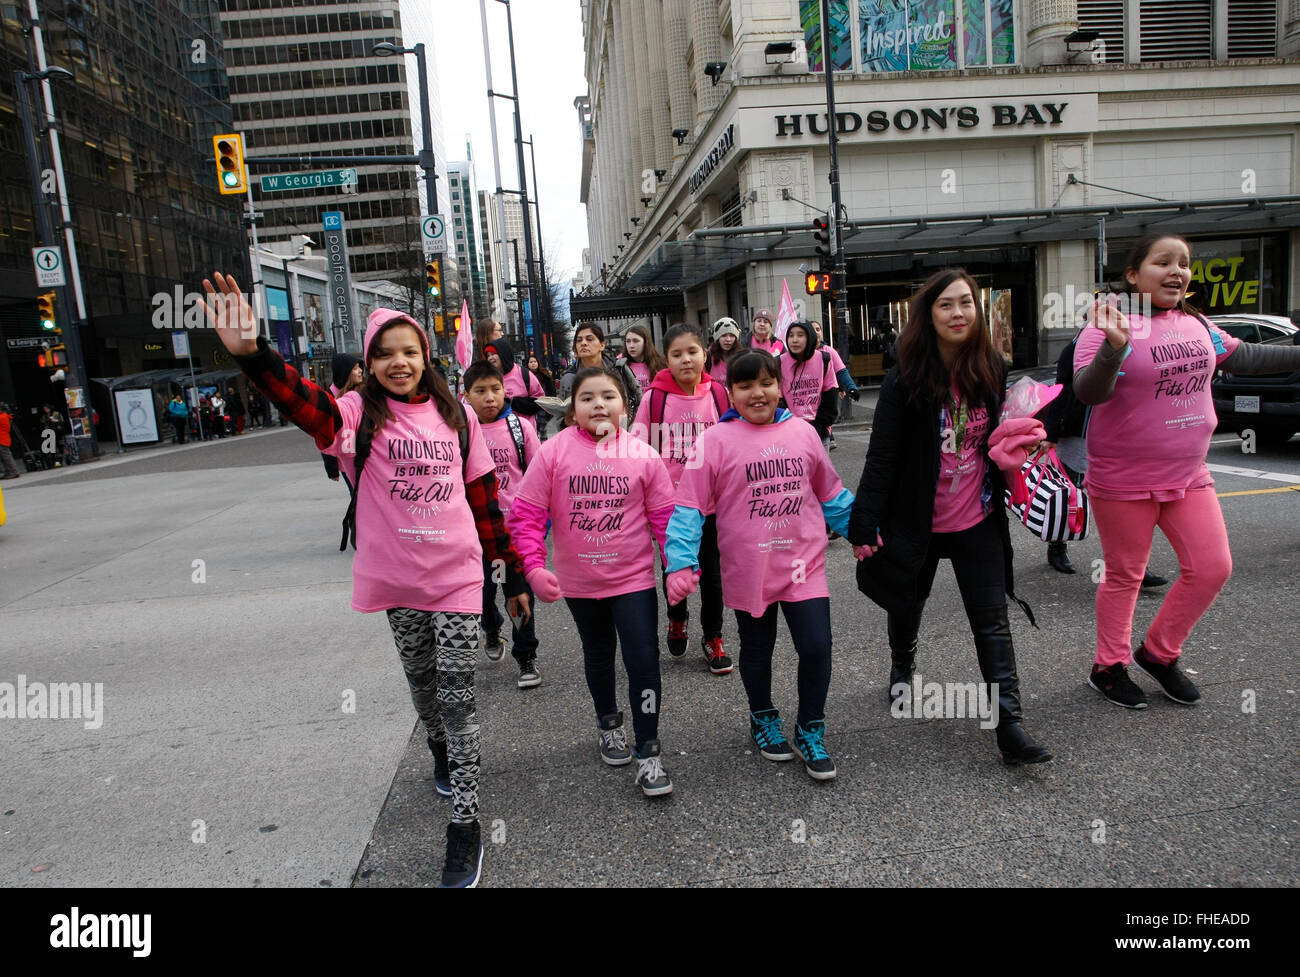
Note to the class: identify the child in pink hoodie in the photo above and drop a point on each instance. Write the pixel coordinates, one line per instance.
(600, 487)
(682, 403)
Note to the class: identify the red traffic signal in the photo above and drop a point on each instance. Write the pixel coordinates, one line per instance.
(822, 235)
(819, 282)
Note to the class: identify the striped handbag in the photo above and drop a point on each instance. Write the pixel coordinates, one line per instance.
(1046, 502)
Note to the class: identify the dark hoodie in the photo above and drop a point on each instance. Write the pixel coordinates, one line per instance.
(520, 403)
(828, 408)
(340, 369)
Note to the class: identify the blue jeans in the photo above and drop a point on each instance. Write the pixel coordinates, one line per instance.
(809, 622)
(631, 620)
(523, 639)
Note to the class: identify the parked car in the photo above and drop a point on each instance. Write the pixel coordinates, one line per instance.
(1268, 405)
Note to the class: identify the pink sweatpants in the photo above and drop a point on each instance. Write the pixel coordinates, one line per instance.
(1194, 527)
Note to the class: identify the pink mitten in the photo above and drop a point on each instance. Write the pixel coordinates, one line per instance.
(681, 584)
(1011, 440)
(545, 586)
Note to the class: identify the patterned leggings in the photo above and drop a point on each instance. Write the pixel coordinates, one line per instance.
(438, 652)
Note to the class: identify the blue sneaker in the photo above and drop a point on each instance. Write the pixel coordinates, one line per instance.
(441, 768)
(765, 731)
(809, 745)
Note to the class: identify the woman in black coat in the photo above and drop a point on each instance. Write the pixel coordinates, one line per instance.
(929, 491)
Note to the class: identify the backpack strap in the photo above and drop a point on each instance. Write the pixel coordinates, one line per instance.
(721, 402)
(1215, 341)
(365, 435)
(517, 434)
(656, 415)
(462, 436)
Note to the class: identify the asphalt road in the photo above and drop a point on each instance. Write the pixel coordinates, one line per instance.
(225, 704)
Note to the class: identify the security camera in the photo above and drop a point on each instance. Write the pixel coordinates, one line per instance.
(803, 268)
(753, 264)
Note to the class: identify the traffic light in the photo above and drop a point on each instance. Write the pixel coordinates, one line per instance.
(52, 357)
(228, 151)
(822, 235)
(818, 282)
(433, 277)
(45, 310)
(456, 323)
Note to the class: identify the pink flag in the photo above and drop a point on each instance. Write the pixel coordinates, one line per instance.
(786, 313)
(465, 337)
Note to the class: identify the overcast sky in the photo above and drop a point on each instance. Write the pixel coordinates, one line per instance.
(548, 51)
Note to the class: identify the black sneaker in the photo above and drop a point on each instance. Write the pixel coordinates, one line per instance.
(441, 768)
(464, 859)
(810, 744)
(613, 746)
(1173, 682)
(1113, 682)
(765, 731)
(1153, 581)
(677, 638)
(717, 657)
(493, 647)
(529, 676)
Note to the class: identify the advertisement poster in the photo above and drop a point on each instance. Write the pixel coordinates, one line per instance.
(135, 413)
(313, 317)
(898, 35)
(999, 316)
(810, 18)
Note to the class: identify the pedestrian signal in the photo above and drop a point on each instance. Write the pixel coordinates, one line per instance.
(228, 151)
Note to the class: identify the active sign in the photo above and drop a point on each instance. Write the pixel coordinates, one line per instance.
(434, 232)
(49, 267)
(318, 180)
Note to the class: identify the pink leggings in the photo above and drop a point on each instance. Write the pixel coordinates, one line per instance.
(1194, 527)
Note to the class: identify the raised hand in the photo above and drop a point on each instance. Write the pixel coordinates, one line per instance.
(230, 315)
(1111, 321)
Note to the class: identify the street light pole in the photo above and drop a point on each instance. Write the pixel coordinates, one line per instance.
(840, 275)
(541, 248)
(519, 294)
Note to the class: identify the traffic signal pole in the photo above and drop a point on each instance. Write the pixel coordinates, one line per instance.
(840, 294)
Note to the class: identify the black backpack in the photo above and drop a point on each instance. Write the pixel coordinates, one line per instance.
(366, 434)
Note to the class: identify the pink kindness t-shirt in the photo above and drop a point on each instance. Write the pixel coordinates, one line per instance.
(1150, 439)
(641, 372)
(417, 545)
(505, 455)
(599, 495)
(765, 483)
(514, 387)
(958, 501)
(837, 361)
(684, 420)
(802, 384)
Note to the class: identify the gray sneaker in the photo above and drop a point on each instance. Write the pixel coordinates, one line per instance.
(529, 676)
(493, 647)
(613, 747)
(650, 774)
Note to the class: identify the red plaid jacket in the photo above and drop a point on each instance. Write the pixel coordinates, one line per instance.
(313, 409)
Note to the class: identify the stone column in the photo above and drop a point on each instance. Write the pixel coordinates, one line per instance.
(661, 124)
(1049, 23)
(642, 100)
(629, 41)
(1289, 36)
(707, 37)
(680, 101)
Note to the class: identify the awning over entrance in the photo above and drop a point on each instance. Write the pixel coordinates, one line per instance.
(634, 303)
(706, 254)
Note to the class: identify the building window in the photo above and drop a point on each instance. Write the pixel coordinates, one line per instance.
(1180, 30)
(911, 35)
(1252, 29)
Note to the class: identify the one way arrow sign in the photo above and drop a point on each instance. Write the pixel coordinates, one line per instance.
(49, 267)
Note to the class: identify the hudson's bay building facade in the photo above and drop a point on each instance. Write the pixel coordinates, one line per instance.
(1011, 136)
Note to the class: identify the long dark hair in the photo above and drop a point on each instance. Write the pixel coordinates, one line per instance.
(1138, 254)
(977, 369)
(719, 355)
(374, 398)
(653, 359)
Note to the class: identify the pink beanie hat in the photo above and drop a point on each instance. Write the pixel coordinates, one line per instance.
(381, 318)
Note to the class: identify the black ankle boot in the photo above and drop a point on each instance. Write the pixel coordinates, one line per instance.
(997, 660)
(900, 672)
(1058, 558)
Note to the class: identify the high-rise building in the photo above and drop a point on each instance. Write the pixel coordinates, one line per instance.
(305, 81)
(491, 256)
(505, 278)
(464, 229)
(135, 121)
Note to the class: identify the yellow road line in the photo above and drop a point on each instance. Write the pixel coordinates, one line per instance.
(1285, 488)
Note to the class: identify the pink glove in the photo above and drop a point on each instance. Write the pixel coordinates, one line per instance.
(681, 584)
(545, 586)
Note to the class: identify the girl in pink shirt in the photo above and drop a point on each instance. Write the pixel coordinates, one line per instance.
(682, 403)
(929, 492)
(641, 356)
(808, 384)
(762, 474)
(600, 486)
(423, 514)
(1147, 377)
(726, 346)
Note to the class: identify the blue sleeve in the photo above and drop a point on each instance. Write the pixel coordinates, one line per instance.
(685, 530)
(836, 512)
(846, 379)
